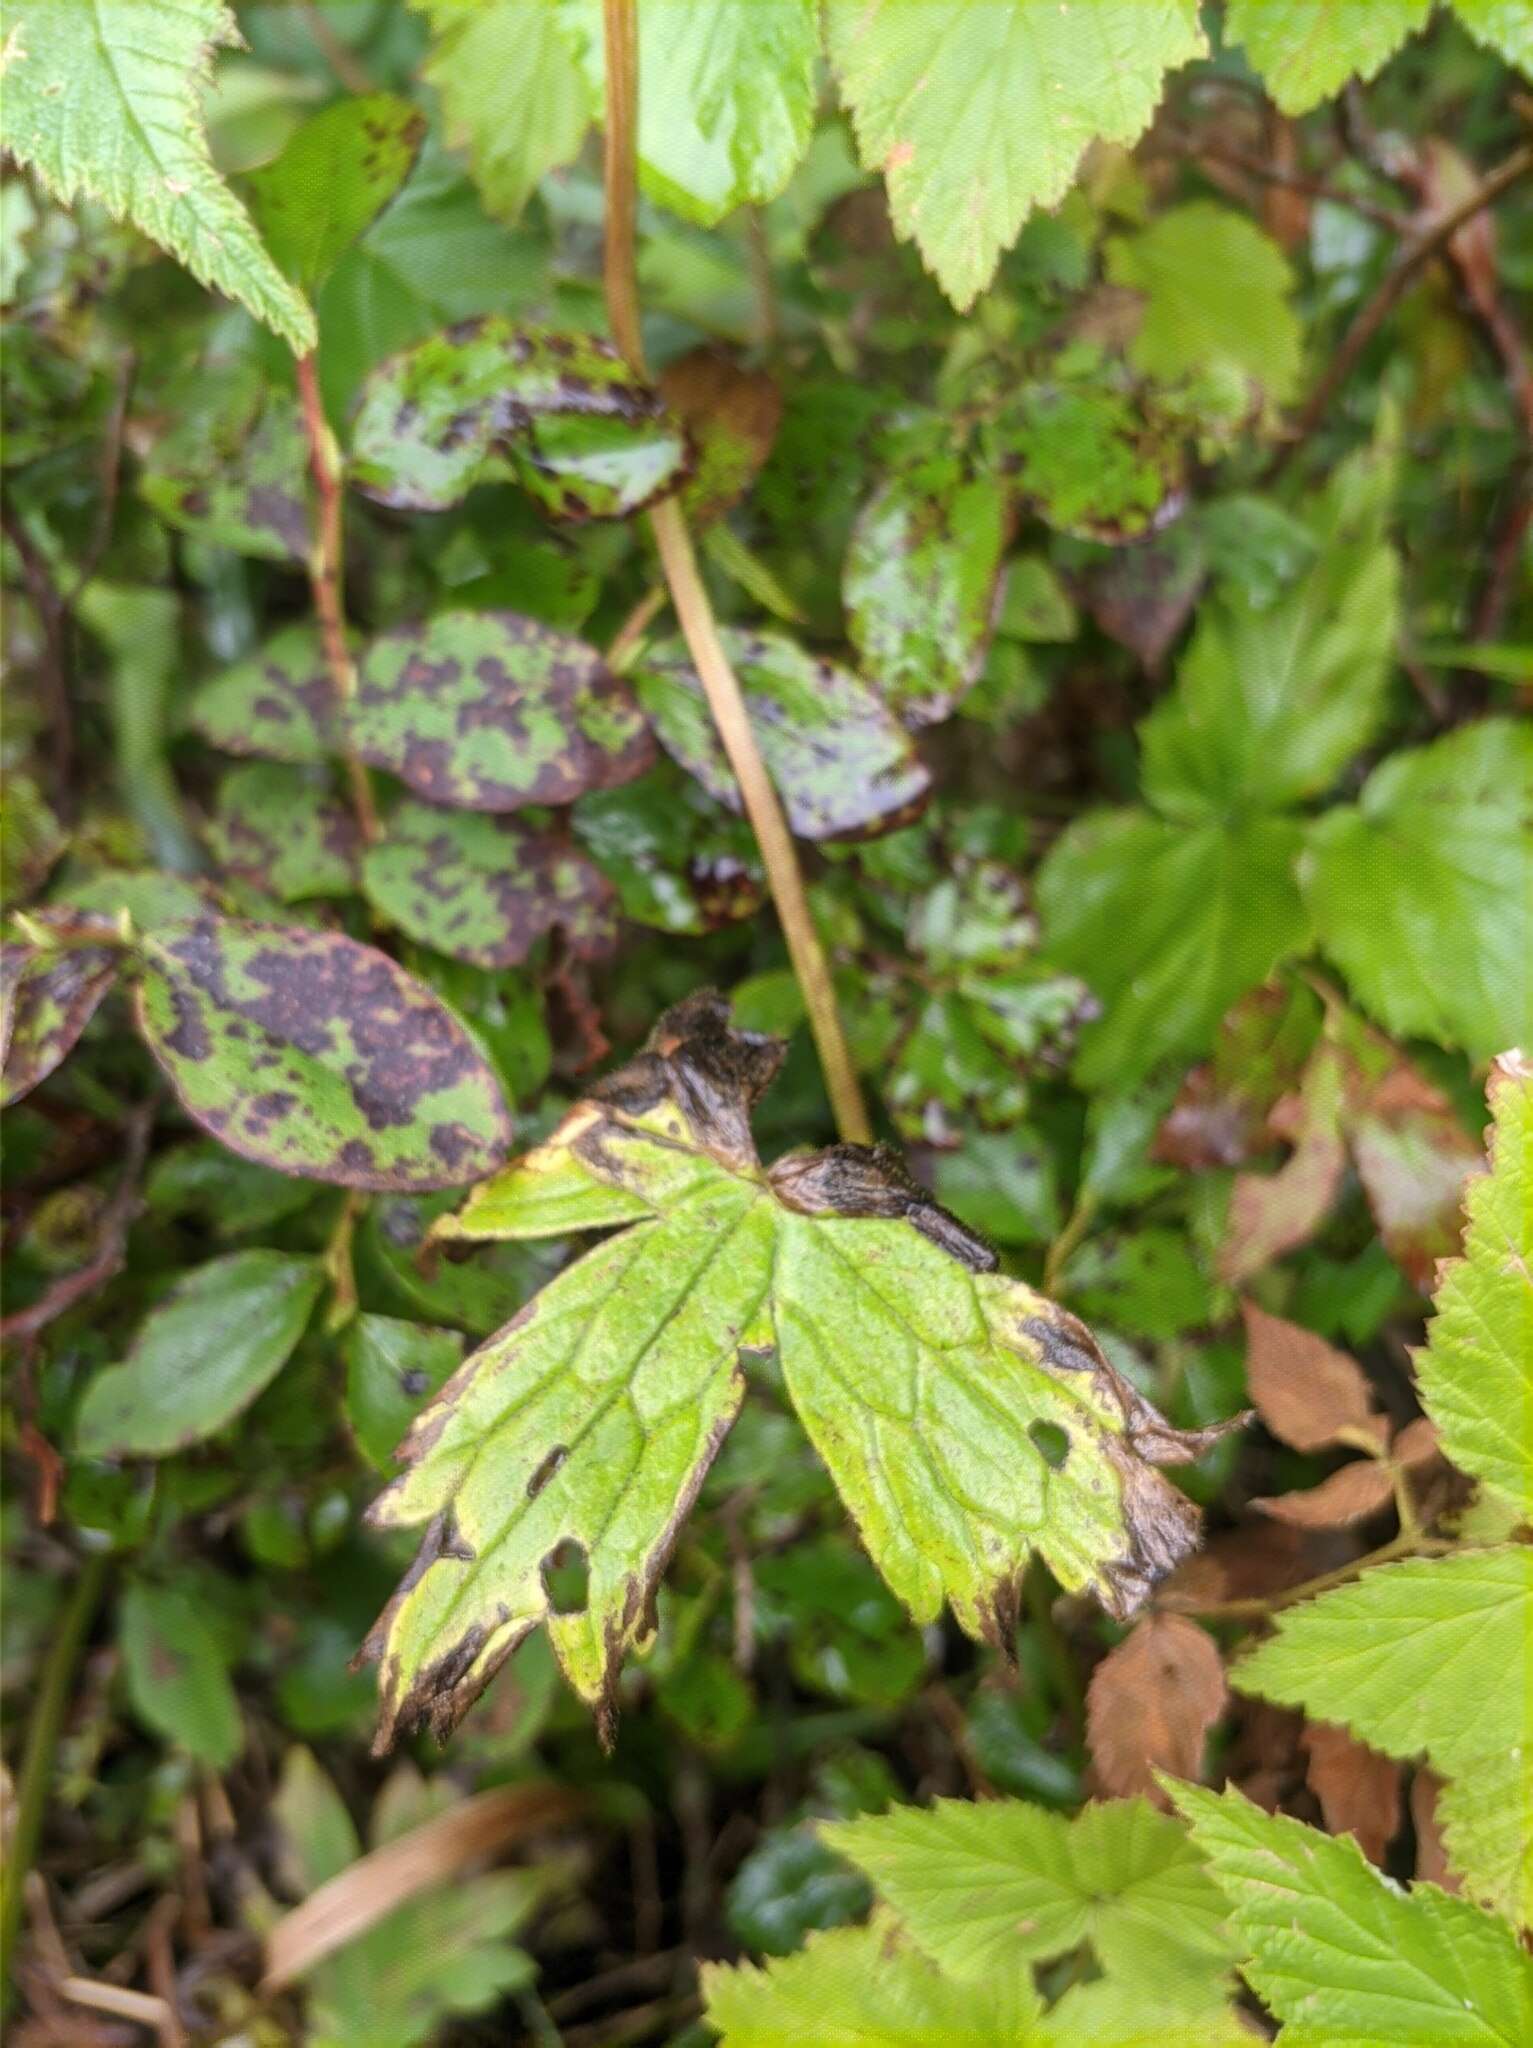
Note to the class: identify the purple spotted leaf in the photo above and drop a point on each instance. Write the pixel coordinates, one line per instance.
(276, 704)
(485, 889)
(319, 1056)
(922, 575)
(732, 415)
(562, 415)
(230, 465)
(46, 1000)
(489, 711)
(283, 830)
(842, 763)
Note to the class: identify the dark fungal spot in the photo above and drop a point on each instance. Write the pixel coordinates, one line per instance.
(547, 1467)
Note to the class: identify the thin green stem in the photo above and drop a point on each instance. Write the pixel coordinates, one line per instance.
(36, 1775)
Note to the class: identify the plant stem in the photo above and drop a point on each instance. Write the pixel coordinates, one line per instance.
(36, 1776)
(695, 613)
(1059, 1253)
(326, 569)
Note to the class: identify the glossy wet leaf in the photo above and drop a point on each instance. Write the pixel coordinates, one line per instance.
(842, 764)
(46, 1000)
(392, 1368)
(512, 93)
(104, 99)
(490, 711)
(333, 180)
(732, 415)
(728, 100)
(977, 111)
(309, 1052)
(921, 574)
(1419, 891)
(486, 889)
(489, 402)
(231, 468)
(677, 860)
(582, 1432)
(276, 704)
(284, 831)
(177, 1672)
(201, 1356)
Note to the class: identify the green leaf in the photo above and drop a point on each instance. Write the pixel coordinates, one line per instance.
(1148, 1283)
(562, 415)
(1167, 924)
(233, 468)
(281, 830)
(392, 1368)
(486, 889)
(1419, 891)
(1272, 701)
(225, 1195)
(276, 703)
(1216, 293)
(1475, 1372)
(104, 100)
(306, 1051)
(512, 93)
(978, 1887)
(726, 99)
(200, 1358)
(490, 711)
(920, 578)
(1092, 458)
(732, 415)
(176, 1672)
(677, 860)
(843, 765)
(1306, 50)
(1428, 1657)
(1344, 1956)
(854, 1987)
(977, 111)
(1505, 26)
(46, 1001)
(333, 180)
(583, 1431)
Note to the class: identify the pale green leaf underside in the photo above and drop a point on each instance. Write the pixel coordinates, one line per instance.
(103, 98)
(977, 111)
(1306, 50)
(591, 1420)
(1476, 1369)
(1502, 25)
(1341, 1954)
(1429, 1657)
(978, 1886)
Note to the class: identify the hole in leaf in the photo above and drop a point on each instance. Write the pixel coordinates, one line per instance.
(1052, 1441)
(546, 1470)
(567, 1577)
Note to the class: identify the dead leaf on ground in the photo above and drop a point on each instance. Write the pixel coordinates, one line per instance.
(1250, 1563)
(1432, 1866)
(1265, 1757)
(1305, 1391)
(1358, 1790)
(1151, 1703)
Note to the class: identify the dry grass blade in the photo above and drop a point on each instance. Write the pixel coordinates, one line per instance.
(348, 1904)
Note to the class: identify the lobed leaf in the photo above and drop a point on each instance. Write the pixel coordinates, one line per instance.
(921, 579)
(308, 1052)
(842, 764)
(490, 711)
(1341, 1954)
(966, 1421)
(977, 111)
(1306, 50)
(562, 415)
(486, 889)
(1475, 1371)
(104, 100)
(201, 1357)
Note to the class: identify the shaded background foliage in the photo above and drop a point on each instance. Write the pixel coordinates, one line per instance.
(1142, 652)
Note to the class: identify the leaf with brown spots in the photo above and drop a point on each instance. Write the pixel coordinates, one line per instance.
(1151, 1703)
(966, 1421)
(276, 704)
(282, 830)
(922, 575)
(46, 1001)
(489, 402)
(842, 764)
(232, 467)
(318, 1056)
(732, 415)
(1358, 1790)
(489, 711)
(486, 889)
